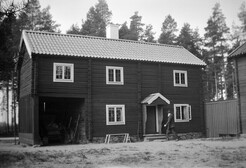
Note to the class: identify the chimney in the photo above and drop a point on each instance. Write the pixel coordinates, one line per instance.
(112, 31)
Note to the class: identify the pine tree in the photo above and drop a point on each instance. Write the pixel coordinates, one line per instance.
(33, 18)
(242, 16)
(148, 35)
(28, 19)
(97, 19)
(215, 41)
(135, 32)
(190, 40)
(74, 29)
(45, 22)
(9, 42)
(136, 27)
(169, 28)
(124, 31)
(235, 36)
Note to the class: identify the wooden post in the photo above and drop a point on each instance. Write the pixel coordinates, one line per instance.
(160, 118)
(238, 96)
(139, 96)
(144, 118)
(7, 108)
(82, 125)
(89, 97)
(159, 76)
(35, 119)
(35, 101)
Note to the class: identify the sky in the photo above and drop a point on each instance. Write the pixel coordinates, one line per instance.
(194, 12)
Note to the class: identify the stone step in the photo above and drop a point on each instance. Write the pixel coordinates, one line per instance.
(154, 137)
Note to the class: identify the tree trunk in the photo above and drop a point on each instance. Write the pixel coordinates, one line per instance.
(7, 104)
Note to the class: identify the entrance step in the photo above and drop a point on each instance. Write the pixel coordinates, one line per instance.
(154, 137)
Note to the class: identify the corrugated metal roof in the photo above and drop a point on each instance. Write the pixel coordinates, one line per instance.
(97, 47)
(238, 51)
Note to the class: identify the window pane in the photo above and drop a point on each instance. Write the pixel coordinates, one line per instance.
(67, 73)
(111, 75)
(184, 113)
(178, 113)
(119, 114)
(111, 114)
(58, 72)
(177, 78)
(182, 78)
(117, 71)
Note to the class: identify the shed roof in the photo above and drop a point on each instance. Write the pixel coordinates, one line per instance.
(97, 47)
(238, 51)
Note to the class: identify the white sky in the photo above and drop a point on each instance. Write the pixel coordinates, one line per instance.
(194, 12)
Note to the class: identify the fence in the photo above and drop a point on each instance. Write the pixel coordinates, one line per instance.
(222, 118)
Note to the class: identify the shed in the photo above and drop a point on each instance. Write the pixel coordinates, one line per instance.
(239, 58)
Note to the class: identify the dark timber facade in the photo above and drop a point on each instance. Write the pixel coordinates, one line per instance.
(239, 58)
(98, 95)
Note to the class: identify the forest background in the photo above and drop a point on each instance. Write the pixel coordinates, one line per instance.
(213, 47)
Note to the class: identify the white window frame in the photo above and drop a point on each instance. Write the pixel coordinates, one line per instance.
(63, 75)
(174, 78)
(115, 122)
(187, 113)
(114, 82)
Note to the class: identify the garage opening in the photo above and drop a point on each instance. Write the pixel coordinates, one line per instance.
(60, 119)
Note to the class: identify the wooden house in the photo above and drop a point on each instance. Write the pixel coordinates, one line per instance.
(97, 86)
(239, 58)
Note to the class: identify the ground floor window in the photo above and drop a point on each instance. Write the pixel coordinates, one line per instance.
(115, 114)
(182, 112)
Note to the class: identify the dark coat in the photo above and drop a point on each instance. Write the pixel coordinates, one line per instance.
(170, 122)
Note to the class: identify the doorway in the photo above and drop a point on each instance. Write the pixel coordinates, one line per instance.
(59, 119)
(151, 120)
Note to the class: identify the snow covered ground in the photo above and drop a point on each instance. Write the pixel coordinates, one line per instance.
(181, 154)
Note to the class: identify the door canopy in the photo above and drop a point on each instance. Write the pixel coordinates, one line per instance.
(153, 97)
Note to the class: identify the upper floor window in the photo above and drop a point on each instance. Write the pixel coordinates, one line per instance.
(182, 112)
(63, 72)
(115, 114)
(114, 75)
(180, 78)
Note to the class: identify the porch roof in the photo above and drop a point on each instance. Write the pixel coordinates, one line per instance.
(152, 97)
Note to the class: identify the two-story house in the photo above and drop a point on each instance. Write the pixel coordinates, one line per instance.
(99, 86)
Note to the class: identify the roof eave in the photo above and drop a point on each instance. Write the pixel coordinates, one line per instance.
(231, 55)
(202, 64)
(25, 40)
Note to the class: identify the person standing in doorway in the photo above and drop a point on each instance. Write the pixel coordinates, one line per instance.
(170, 126)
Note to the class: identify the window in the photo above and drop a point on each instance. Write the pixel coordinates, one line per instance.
(182, 112)
(63, 72)
(115, 114)
(180, 78)
(114, 75)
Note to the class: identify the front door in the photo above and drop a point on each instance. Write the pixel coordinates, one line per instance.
(151, 120)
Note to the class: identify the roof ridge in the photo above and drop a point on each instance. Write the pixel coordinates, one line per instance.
(102, 38)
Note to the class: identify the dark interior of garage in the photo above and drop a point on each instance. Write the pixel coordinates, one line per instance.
(59, 120)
